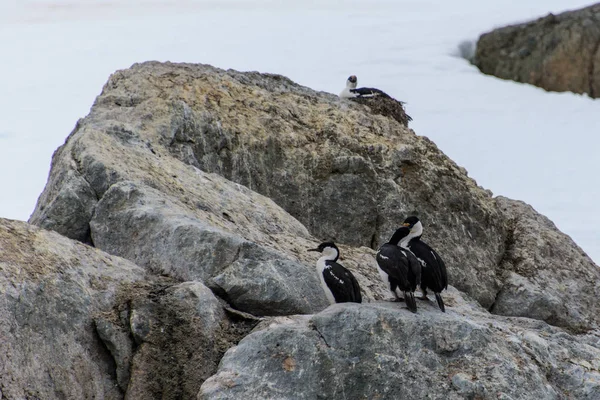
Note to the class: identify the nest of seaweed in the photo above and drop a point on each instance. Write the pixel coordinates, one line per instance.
(387, 106)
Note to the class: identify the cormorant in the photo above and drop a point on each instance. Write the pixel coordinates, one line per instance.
(433, 274)
(378, 101)
(339, 284)
(400, 268)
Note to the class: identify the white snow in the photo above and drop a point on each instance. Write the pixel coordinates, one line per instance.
(514, 139)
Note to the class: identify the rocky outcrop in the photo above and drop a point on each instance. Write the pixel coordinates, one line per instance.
(558, 52)
(167, 237)
(546, 275)
(376, 352)
(148, 176)
(213, 184)
(78, 323)
(135, 179)
(175, 219)
(50, 289)
(344, 173)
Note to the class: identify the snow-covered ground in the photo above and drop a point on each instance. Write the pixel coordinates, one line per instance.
(517, 140)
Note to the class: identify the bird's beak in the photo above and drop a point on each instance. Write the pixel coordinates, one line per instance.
(313, 250)
(406, 224)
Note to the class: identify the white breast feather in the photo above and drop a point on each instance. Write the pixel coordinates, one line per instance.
(320, 268)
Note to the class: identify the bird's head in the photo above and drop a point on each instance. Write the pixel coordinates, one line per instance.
(351, 82)
(329, 250)
(416, 228)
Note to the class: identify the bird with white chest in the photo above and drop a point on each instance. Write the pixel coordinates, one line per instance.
(399, 268)
(351, 91)
(433, 275)
(338, 283)
(378, 101)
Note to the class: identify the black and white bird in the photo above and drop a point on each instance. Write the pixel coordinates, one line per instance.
(339, 284)
(351, 91)
(400, 268)
(433, 274)
(378, 101)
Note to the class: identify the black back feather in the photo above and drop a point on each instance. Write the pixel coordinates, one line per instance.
(434, 275)
(369, 92)
(400, 265)
(342, 283)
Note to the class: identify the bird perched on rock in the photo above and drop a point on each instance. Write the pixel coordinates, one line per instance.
(379, 101)
(399, 268)
(339, 284)
(433, 272)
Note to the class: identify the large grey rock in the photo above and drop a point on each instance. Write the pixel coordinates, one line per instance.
(179, 333)
(159, 232)
(380, 351)
(50, 289)
(346, 174)
(547, 276)
(163, 144)
(556, 52)
(132, 179)
(78, 323)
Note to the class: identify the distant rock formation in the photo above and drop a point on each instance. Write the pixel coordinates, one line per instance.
(212, 185)
(557, 52)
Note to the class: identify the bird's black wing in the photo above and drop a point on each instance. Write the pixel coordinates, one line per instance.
(414, 272)
(394, 263)
(443, 271)
(369, 92)
(435, 270)
(357, 298)
(342, 283)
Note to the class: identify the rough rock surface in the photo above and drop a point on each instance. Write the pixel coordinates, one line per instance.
(78, 323)
(159, 232)
(50, 289)
(557, 52)
(346, 174)
(149, 176)
(378, 351)
(215, 183)
(547, 276)
(175, 337)
(144, 175)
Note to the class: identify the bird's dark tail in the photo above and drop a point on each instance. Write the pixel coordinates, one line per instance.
(440, 302)
(411, 303)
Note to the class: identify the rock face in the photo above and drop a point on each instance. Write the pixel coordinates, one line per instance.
(376, 352)
(213, 184)
(546, 275)
(558, 52)
(345, 174)
(168, 237)
(78, 323)
(175, 219)
(50, 290)
(148, 176)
